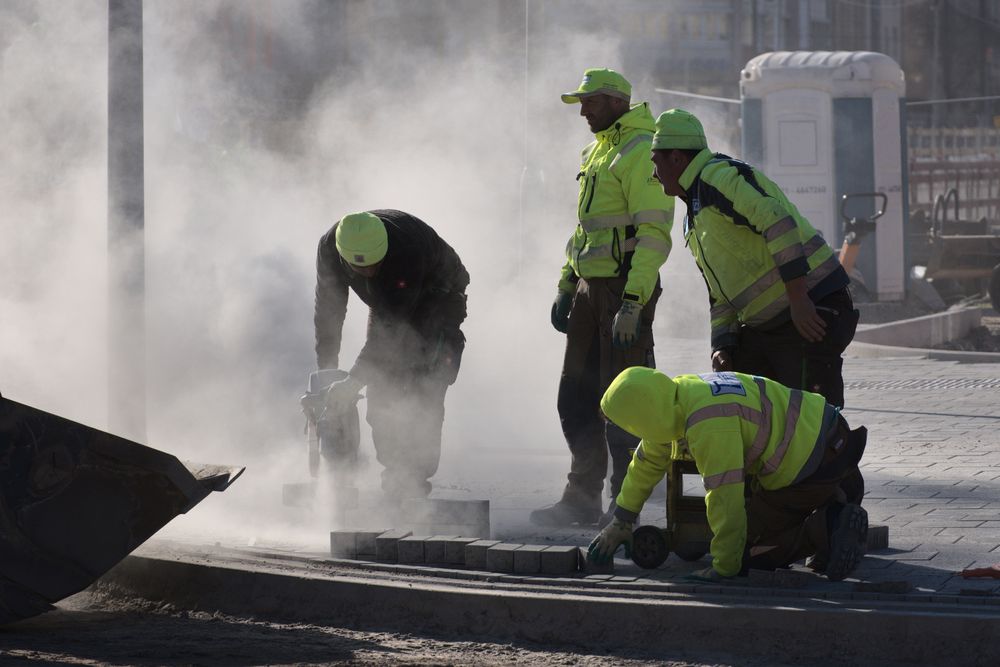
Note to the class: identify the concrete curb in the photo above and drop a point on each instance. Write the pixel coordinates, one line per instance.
(912, 338)
(595, 611)
(859, 350)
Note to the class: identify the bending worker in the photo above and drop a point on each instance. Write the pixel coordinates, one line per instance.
(608, 287)
(414, 286)
(795, 444)
(779, 301)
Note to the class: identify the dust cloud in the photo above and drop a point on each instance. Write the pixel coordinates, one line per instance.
(265, 122)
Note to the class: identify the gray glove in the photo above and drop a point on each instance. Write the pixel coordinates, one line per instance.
(560, 311)
(604, 546)
(344, 390)
(625, 328)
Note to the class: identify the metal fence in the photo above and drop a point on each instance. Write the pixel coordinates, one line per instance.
(964, 159)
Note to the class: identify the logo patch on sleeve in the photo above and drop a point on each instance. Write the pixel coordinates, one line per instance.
(724, 383)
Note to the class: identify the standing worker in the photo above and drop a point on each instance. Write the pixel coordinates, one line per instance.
(796, 446)
(414, 286)
(780, 306)
(608, 287)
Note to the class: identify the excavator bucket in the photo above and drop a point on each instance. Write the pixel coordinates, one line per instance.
(75, 500)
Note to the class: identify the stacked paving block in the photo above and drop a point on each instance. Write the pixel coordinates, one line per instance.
(475, 553)
(878, 537)
(387, 545)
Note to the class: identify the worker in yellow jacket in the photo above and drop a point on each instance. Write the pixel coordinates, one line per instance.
(780, 305)
(794, 445)
(608, 287)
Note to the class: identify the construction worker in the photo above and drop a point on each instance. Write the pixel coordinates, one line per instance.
(608, 287)
(796, 446)
(780, 305)
(414, 286)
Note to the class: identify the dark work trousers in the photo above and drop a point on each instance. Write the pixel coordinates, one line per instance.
(590, 364)
(788, 524)
(782, 353)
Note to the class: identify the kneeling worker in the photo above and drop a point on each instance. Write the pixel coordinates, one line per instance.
(795, 445)
(414, 285)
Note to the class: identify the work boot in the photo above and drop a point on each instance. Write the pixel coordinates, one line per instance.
(569, 511)
(848, 541)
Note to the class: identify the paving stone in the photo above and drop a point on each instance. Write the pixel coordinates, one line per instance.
(560, 560)
(878, 537)
(475, 553)
(592, 568)
(365, 542)
(500, 557)
(454, 550)
(343, 543)
(883, 586)
(411, 549)
(434, 548)
(386, 545)
(528, 559)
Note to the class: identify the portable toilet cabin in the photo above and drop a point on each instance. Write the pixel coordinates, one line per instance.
(823, 124)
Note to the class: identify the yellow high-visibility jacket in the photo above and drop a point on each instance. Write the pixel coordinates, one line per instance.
(734, 425)
(748, 241)
(624, 217)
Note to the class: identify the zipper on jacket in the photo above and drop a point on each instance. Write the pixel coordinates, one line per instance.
(593, 187)
(710, 270)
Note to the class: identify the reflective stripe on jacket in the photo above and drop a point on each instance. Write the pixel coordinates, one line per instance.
(735, 425)
(624, 217)
(749, 240)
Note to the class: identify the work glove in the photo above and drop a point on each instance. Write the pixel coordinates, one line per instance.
(707, 576)
(344, 390)
(604, 546)
(625, 328)
(560, 311)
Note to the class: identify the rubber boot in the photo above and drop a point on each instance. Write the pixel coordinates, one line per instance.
(573, 509)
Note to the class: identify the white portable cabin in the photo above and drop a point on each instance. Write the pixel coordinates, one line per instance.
(823, 124)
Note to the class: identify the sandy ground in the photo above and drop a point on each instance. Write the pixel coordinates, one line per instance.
(89, 630)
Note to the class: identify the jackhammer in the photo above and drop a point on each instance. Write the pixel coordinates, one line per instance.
(333, 431)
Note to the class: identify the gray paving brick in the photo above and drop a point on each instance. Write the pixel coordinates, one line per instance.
(386, 545)
(878, 537)
(528, 559)
(343, 543)
(454, 549)
(475, 553)
(411, 549)
(434, 548)
(365, 541)
(560, 560)
(500, 557)
(592, 569)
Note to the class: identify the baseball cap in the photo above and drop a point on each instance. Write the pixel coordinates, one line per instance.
(600, 82)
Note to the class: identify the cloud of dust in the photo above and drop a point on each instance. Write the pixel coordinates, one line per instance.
(265, 122)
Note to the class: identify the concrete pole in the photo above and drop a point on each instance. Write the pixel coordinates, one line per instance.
(126, 213)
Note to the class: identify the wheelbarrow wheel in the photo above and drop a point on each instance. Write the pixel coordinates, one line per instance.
(690, 552)
(995, 288)
(649, 547)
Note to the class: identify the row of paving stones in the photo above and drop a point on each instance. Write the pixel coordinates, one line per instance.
(401, 546)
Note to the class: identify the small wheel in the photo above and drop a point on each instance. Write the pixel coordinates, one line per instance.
(649, 547)
(995, 288)
(690, 552)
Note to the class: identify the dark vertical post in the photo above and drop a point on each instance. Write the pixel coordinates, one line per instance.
(126, 212)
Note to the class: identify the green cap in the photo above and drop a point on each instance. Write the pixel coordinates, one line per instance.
(676, 128)
(600, 82)
(362, 239)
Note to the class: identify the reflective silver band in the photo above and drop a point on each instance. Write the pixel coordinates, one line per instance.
(786, 255)
(791, 420)
(782, 226)
(605, 222)
(654, 244)
(729, 477)
(650, 216)
(604, 250)
(763, 436)
(725, 410)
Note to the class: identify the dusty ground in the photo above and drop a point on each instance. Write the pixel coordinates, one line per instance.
(984, 338)
(87, 630)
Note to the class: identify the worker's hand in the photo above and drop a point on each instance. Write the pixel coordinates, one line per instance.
(625, 328)
(707, 575)
(806, 320)
(722, 360)
(344, 390)
(604, 546)
(560, 311)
